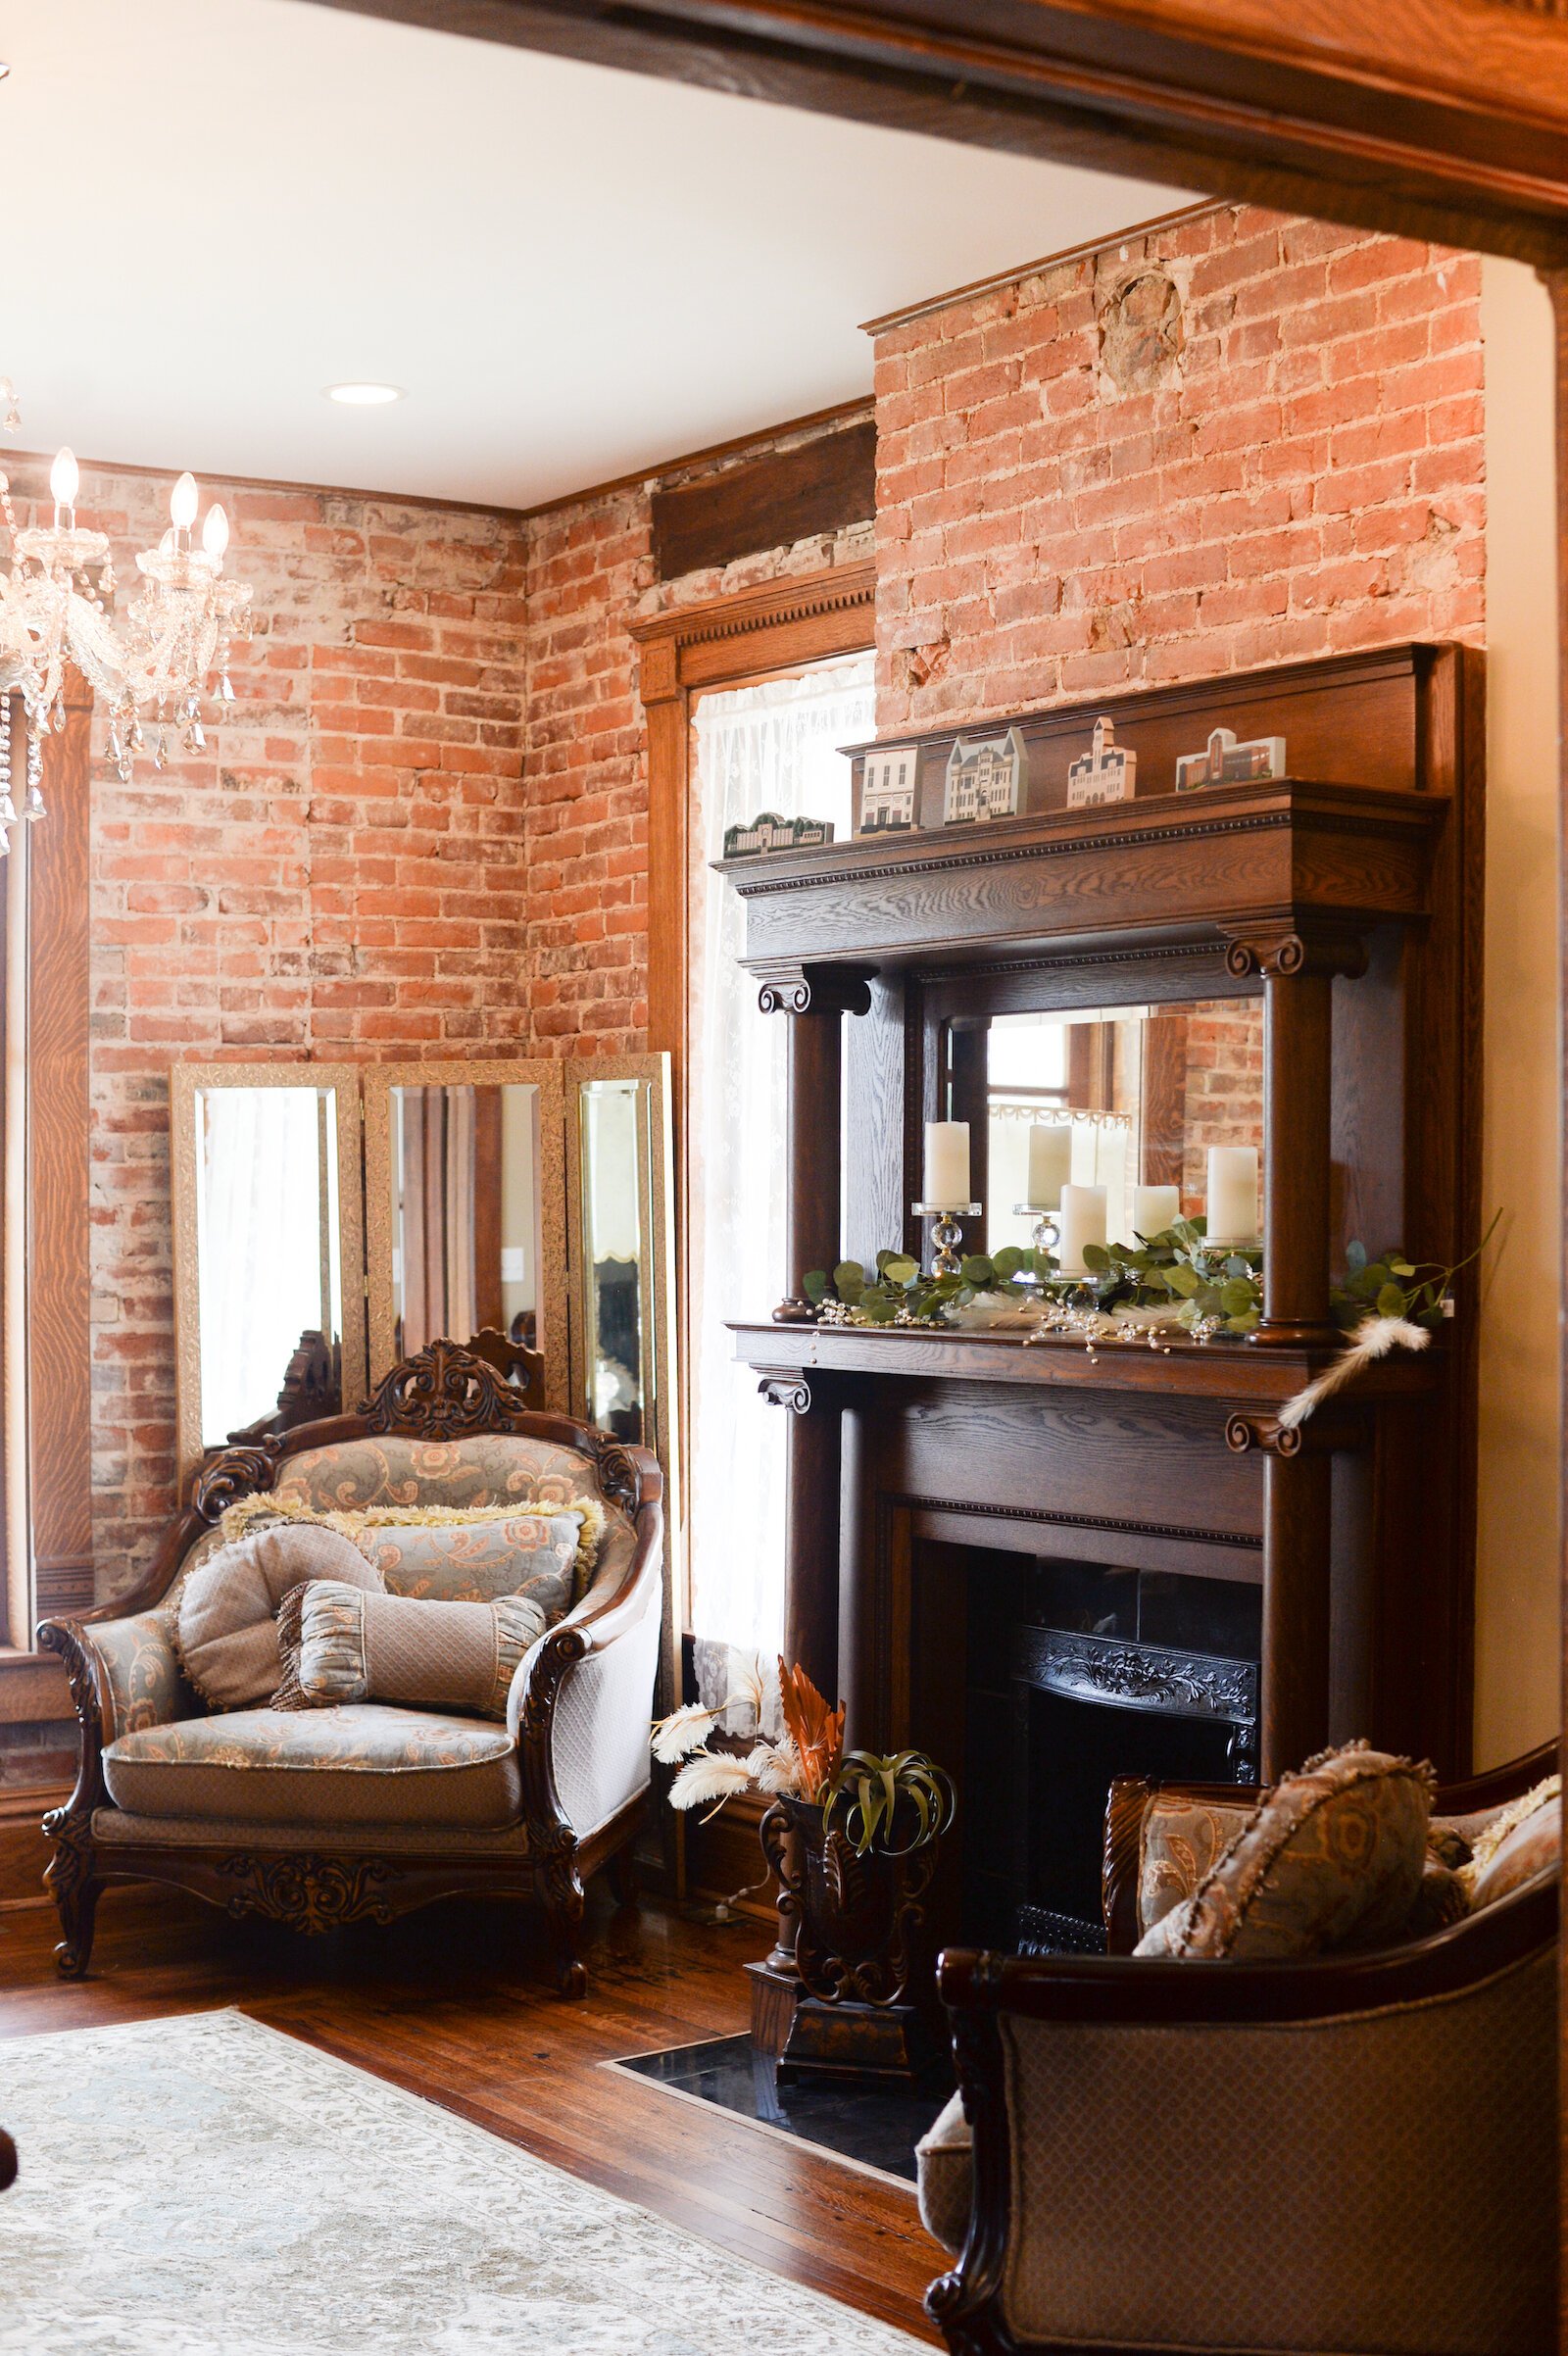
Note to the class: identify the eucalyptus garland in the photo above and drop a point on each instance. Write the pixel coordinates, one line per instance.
(1177, 1277)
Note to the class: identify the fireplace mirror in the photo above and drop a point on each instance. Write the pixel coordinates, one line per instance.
(462, 1172)
(267, 1245)
(1134, 1097)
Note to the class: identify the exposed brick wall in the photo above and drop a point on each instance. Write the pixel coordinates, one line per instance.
(341, 874)
(1224, 1103)
(1306, 475)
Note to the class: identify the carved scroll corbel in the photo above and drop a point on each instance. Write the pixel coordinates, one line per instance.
(1284, 952)
(1330, 1432)
(791, 1391)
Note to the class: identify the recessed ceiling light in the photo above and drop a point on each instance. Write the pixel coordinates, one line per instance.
(365, 396)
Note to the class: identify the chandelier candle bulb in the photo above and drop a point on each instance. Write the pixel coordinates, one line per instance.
(947, 1165)
(215, 533)
(65, 481)
(1049, 1163)
(183, 502)
(1233, 1194)
(1082, 1222)
(1155, 1208)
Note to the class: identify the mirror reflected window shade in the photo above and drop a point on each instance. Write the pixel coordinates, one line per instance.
(266, 1224)
(465, 1211)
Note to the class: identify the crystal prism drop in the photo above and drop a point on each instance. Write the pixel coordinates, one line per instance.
(35, 808)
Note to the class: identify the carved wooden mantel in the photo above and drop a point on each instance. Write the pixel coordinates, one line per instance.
(1349, 907)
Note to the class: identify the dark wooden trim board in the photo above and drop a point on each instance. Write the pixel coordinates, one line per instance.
(770, 501)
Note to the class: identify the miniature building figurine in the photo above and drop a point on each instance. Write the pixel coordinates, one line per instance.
(1108, 774)
(887, 789)
(985, 778)
(770, 832)
(1226, 763)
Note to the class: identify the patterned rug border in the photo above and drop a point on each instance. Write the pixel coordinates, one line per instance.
(437, 2117)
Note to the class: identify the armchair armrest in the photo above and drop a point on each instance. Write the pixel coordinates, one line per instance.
(125, 1673)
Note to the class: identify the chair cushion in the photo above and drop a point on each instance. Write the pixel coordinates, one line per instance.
(945, 2160)
(225, 1621)
(1332, 1856)
(338, 1644)
(363, 1764)
(1181, 1840)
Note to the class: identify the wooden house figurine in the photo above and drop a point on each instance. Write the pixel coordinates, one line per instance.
(1106, 773)
(1226, 763)
(769, 832)
(887, 789)
(985, 778)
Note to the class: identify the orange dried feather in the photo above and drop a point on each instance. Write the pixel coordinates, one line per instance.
(816, 1731)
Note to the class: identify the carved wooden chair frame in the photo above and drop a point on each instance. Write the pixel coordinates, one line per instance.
(444, 1393)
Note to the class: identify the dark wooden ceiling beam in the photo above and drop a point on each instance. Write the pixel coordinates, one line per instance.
(1134, 91)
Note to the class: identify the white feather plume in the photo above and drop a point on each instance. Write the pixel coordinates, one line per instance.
(1372, 1338)
(681, 1732)
(775, 1767)
(711, 1776)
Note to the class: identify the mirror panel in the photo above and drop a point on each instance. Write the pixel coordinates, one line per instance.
(464, 1186)
(624, 1365)
(1141, 1093)
(268, 1308)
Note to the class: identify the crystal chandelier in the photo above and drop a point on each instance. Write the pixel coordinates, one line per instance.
(54, 609)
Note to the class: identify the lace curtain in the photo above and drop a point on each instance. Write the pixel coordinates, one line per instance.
(772, 747)
(260, 1208)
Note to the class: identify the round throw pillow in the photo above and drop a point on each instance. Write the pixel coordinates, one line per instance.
(1522, 1847)
(1333, 1856)
(226, 1620)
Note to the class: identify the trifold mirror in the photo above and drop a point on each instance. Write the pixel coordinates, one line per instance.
(519, 1207)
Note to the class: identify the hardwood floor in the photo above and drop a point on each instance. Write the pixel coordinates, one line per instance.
(450, 2003)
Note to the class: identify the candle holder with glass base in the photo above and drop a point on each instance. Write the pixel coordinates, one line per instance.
(1047, 1235)
(946, 1232)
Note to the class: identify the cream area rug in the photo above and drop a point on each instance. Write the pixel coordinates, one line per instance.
(207, 2187)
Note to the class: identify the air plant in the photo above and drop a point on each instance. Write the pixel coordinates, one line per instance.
(871, 1788)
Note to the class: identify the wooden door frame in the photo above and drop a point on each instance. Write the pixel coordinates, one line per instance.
(778, 627)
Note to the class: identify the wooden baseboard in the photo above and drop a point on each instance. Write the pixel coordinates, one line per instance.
(24, 1851)
(33, 1691)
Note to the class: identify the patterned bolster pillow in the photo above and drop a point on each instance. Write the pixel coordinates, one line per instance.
(344, 1644)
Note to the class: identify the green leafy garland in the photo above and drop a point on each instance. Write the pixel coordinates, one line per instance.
(1207, 1289)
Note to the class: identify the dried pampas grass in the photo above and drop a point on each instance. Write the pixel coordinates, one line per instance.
(1372, 1338)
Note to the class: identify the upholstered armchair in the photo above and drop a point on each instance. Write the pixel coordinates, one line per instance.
(329, 1816)
(1356, 2152)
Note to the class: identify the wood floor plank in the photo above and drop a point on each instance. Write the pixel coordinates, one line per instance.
(453, 2004)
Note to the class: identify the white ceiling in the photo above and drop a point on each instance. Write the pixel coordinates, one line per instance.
(219, 206)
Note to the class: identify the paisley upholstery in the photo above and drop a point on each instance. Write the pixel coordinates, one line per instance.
(1332, 1856)
(138, 1671)
(363, 1764)
(1181, 1840)
(473, 1562)
(491, 1468)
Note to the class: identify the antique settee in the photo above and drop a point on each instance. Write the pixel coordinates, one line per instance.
(400, 1807)
(1353, 2152)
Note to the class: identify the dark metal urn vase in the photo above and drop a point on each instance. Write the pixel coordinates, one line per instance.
(858, 1922)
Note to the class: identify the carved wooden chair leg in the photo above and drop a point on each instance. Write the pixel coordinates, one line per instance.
(76, 1887)
(564, 1904)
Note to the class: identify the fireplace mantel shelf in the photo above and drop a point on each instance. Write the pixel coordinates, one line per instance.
(1235, 1372)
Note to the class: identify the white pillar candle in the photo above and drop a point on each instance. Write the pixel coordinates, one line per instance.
(1049, 1163)
(1155, 1208)
(1233, 1194)
(947, 1165)
(1083, 1221)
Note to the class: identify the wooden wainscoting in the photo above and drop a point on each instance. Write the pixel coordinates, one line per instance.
(24, 1851)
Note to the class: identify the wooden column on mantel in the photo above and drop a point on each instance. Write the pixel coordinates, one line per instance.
(815, 1000)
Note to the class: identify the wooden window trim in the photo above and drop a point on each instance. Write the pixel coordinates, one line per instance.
(776, 628)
